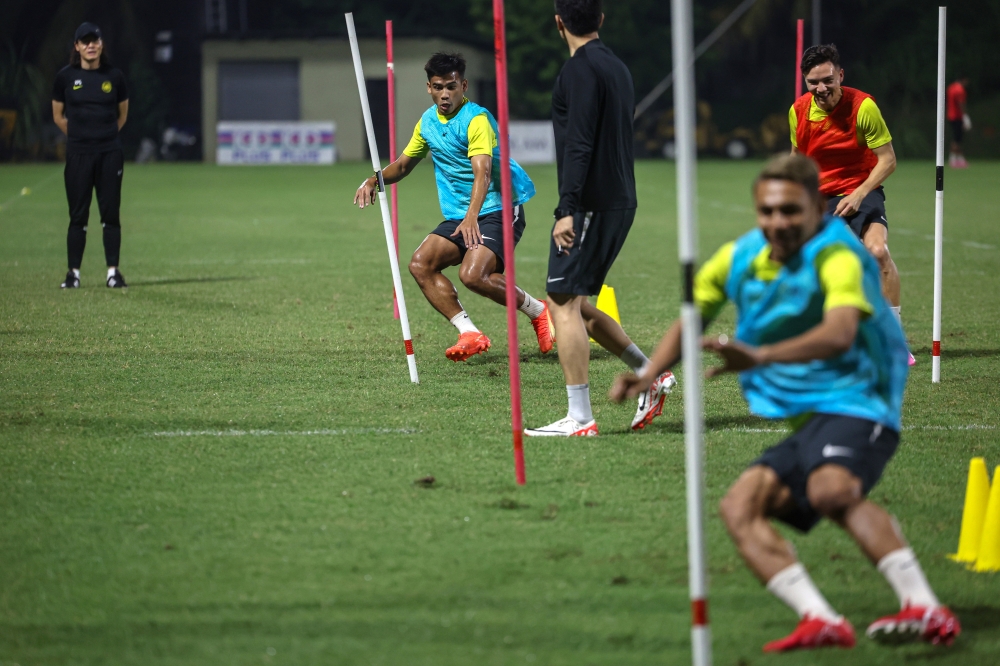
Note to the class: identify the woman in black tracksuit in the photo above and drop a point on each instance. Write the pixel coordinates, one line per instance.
(90, 105)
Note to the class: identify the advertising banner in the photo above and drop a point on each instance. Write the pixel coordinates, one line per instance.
(532, 142)
(276, 143)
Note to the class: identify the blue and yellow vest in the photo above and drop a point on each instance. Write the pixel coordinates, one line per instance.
(866, 381)
(449, 143)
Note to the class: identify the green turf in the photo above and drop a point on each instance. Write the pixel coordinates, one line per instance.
(259, 311)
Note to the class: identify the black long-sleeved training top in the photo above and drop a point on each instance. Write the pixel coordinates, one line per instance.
(592, 107)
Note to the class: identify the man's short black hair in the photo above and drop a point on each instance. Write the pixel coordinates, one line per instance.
(819, 54)
(581, 17)
(443, 64)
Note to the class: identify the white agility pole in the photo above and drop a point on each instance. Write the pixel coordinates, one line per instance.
(687, 234)
(939, 200)
(390, 241)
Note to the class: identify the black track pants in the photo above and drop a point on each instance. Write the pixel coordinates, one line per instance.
(86, 172)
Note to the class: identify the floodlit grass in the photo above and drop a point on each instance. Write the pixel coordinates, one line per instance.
(217, 465)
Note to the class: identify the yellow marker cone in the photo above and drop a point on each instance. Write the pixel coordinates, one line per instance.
(608, 304)
(25, 191)
(989, 545)
(977, 494)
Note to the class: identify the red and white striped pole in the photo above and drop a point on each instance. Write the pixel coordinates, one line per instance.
(390, 69)
(506, 192)
(682, 29)
(939, 199)
(397, 282)
(799, 27)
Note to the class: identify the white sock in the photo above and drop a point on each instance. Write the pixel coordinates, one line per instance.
(794, 586)
(579, 402)
(111, 272)
(634, 358)
(895, 311)
(902, 570)
(531, 306)
(462, 322)
(76, 273)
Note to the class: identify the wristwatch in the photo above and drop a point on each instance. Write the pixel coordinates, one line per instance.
(560, 213)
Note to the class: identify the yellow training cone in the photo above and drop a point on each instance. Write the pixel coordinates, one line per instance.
(608, 304)
(977, 494)
(989, 545)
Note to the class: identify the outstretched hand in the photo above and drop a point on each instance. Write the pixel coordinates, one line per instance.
(365, 195)
(628, 385)
(735, 355)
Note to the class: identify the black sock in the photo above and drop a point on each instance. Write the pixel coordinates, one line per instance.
(76, 241)
(112, 244)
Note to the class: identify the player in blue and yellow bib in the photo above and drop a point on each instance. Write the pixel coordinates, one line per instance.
(461, 138)
(817, 344)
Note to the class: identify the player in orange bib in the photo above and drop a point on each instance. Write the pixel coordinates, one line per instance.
(843, 131)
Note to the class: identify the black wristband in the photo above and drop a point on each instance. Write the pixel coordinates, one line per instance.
(560, 213)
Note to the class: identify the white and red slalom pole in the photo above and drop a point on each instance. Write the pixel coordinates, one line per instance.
(799, 29)
(506, 192)
(682, 29)
(390, 241)
(390, 69)
(939, 199)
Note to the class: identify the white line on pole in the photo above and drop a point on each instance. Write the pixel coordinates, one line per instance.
(397, 283)
(684, 128)
(939, 199)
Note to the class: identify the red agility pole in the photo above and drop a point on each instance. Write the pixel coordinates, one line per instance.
(503, 119)
(798, 59)
(391, 77)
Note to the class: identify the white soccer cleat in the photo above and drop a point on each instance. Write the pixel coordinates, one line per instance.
(651, 400)
(567, 427)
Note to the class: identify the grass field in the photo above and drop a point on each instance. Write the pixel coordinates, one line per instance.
(217, 465)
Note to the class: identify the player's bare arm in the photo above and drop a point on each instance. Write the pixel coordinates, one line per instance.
(834, 335)
(122, 114)
(482, 167)
(59, 116)
(886, 155)
(393, 173)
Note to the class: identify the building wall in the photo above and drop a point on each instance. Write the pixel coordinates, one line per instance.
(328, 89)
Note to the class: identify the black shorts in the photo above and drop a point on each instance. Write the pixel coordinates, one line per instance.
(863, 447)
(872, 210)
(491, 228)
(581, 269)
(957, 130)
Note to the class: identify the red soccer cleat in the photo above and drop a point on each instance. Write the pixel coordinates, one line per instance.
(469, 344)
(814, 632)
(544, 330)
(937, 626)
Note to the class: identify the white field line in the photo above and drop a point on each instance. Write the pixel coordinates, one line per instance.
(971, 426)
(282, 433)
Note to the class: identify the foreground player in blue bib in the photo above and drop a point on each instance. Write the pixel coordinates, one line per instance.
(461, 138)
(816, 343)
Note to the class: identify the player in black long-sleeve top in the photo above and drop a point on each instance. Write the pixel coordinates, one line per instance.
(90, 105)
(592, 108)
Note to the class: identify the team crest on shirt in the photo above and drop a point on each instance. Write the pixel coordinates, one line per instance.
(77, 84)
(106, 86)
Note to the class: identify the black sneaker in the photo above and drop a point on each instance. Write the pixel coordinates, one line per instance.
(117, 280)
(72, 281)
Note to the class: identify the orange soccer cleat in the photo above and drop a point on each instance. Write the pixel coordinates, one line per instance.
(469, 344)
(937, 626)
(544, 330)
(814, 632)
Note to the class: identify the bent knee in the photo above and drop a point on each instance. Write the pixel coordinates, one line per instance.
(880, 251)
(834, 500)
(473, 279)
(419, 267)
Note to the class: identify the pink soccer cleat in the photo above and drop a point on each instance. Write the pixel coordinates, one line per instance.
(814, 632)
(937, 626)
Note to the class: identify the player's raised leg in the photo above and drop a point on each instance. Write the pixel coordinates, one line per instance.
(434, 255)
(609, 334)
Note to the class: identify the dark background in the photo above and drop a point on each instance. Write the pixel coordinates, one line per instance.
(888, 48)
